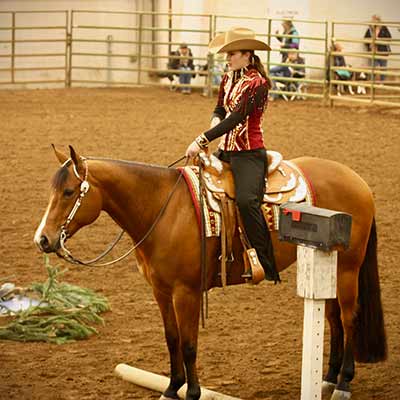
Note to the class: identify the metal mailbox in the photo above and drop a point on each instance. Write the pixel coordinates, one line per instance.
(314, 227)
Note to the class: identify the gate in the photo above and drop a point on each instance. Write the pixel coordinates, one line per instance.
(33, 48)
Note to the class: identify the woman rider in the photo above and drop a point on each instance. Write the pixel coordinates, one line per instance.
(237, 119)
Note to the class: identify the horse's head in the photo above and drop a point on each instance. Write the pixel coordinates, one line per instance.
(74, 203)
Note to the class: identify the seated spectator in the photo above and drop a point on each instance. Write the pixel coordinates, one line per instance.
(288, 71)
(288, 42)
(378, 31)
(182, 60)
(339, 61)
(341, 74)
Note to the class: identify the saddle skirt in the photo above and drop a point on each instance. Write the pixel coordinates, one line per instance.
(285, 182)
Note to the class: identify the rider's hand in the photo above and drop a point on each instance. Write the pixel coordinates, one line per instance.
(192, 150)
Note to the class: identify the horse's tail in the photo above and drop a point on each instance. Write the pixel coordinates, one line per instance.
(370, 344)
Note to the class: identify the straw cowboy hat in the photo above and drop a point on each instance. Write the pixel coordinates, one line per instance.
(236, 39)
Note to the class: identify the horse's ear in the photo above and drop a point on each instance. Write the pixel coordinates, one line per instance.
(60, 156)
(76, 159)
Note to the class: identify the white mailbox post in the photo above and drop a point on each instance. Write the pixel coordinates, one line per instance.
(319, 234)
(316, 282)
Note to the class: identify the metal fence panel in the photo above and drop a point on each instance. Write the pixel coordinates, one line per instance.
(369, 83)
(33, 48)
(100, 48)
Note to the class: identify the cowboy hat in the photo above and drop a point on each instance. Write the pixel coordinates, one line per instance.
(236, 39)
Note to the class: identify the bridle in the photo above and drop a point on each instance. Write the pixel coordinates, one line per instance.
(84, 188)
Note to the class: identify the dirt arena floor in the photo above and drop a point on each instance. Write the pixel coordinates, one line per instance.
(251, 347)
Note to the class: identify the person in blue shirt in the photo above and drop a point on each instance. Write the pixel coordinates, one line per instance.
(288, 42)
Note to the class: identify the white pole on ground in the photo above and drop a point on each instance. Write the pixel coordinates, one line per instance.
(316, 281)
(160, 383)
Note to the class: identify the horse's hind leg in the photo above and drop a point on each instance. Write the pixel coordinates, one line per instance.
(336, 345)
(347, 296)
(187, 311)
(172, 337)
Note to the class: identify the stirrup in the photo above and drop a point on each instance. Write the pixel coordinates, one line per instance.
(247, 274)
(254, 272)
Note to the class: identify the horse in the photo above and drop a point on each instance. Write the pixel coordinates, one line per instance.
(168, 253)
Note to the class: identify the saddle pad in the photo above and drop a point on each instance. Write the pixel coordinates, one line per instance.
(271, 216)
(212, 218)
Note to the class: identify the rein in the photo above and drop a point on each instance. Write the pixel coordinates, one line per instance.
(203, 252)
(84, 188)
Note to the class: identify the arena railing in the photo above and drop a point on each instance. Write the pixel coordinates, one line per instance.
(311, 47)
(111, 48)
(151, 45)
(23, 54)
(259, 25)
(365, 85)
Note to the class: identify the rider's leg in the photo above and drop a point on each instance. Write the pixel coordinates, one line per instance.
(249, 169)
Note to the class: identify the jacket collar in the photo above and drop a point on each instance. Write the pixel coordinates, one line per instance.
(236, 75)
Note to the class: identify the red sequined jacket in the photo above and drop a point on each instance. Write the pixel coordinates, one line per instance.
(241, 102)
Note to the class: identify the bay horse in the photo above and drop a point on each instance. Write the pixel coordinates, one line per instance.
(133, 195)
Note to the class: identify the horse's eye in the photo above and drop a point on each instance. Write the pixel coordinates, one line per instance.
(68, 192)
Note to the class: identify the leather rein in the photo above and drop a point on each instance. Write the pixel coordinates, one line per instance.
(84, 188)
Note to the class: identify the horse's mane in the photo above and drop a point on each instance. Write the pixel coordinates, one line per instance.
(127, 162)
(62, 174)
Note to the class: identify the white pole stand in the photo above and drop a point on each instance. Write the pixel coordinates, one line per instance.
(160, 383)
(316, 281)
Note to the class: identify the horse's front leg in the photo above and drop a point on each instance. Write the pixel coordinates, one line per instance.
(172, 336)
(187, 311)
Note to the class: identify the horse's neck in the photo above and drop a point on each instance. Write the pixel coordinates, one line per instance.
(133, 193)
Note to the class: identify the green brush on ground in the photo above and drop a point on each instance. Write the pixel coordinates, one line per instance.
(65, 312)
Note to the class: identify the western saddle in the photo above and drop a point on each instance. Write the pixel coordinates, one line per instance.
(284, 183)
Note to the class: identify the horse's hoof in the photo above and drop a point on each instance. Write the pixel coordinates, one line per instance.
(168, 398)
(327, 388)
(341, 395)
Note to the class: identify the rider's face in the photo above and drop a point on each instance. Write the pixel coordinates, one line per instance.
(237, 60)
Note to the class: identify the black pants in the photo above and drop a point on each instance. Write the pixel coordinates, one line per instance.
(249, 171)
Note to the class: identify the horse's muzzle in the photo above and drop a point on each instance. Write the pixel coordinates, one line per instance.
(46, 246)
